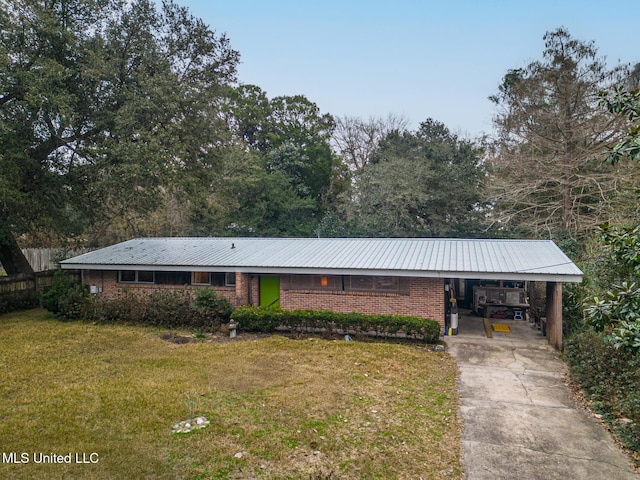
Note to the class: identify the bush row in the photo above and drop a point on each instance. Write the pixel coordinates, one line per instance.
(202, 309)
(610, 378)
(260, 319)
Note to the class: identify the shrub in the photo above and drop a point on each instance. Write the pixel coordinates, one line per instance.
(213, 307)
(260, 319)
(610, 378)
(573, 315)
(126, 307)
(60, 284)
(74, 303)
(65, 299)
(619, 311)
(257, 319)
(169, 309)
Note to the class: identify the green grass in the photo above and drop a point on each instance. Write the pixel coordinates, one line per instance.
(309, 408)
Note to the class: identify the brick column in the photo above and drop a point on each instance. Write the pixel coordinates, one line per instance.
(243, 285)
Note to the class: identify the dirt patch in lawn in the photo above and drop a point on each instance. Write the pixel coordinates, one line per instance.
(182, 338)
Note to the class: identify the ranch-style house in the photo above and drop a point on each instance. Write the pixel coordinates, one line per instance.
(407, 276)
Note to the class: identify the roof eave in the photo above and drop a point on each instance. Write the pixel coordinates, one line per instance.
(511, 276)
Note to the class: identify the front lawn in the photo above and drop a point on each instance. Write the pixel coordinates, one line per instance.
(109, 395)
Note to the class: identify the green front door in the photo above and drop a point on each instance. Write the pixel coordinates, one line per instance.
(269, 291)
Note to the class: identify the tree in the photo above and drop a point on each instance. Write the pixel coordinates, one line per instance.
(617, 310)
(247, 114)
(104, 106)
(420, 184)
(248, 200)
(625, 103)
(548, 175)
(289, 139)
(356, 140)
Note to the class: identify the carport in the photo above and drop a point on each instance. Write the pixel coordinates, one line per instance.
(511, 275)
(548, 318)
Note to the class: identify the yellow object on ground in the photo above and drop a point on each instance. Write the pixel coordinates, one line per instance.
(500, 327)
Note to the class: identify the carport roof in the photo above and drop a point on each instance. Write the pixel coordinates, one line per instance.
(540, 260)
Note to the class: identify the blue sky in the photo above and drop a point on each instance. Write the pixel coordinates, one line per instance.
(419, 59)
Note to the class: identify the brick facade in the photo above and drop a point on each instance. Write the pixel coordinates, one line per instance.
(107, 280)
(423, 298)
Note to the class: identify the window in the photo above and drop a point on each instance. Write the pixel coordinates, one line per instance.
(172, 278)
(365, 283)
(201, 278)
(360, 282)
(214, 279)
(313, 282)
(127, 276)
(136, 276)
(145, 276)
(351, 283)
(387, 284)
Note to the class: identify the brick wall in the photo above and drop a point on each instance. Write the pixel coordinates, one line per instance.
(425, 299)
(108, 281)
(425, 296)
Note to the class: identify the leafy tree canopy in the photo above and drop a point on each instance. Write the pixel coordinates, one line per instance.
(293, 163)
(617, 310)
(103, 105)
(625, 103)
(423, 183)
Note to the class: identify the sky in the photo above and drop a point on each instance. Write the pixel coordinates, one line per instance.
(418, 59)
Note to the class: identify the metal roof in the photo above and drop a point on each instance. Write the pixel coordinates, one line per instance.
(423, 257)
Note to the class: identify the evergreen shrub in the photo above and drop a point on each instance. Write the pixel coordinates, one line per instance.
(165, 308)
(261, 319)
(65, 298)
(610, 379)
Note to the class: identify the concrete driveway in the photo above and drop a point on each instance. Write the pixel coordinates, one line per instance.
(520, 419)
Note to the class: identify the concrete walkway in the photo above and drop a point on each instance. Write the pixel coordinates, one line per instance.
(520, 419)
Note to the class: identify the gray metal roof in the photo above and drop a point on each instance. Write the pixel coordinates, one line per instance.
(423, 257)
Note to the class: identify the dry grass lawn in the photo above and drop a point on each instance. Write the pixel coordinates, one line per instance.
(279, 408)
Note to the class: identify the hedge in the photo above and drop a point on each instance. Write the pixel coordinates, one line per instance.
(201, 309)
(261, 319)
(610, 378)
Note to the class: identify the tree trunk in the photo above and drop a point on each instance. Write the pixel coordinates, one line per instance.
(11, 257)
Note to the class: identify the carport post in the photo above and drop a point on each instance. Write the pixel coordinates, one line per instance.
(554, 314)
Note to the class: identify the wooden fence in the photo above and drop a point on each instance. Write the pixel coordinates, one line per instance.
(21, 291)
(18, 292)
(44, 259)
